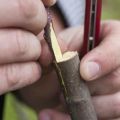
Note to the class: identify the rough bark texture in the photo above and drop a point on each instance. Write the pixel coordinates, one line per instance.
(76, 93)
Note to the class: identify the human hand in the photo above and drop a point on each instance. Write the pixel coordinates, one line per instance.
(20, 22)
(100, 68)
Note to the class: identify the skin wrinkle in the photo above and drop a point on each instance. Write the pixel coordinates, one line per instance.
(26, 7)
(31, 21)
(21, 45)
(12, 78)
(24, 43)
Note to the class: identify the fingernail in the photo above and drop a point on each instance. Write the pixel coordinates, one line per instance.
(45, 116)
(91, 70)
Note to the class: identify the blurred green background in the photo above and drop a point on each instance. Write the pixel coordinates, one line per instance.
(111, 9)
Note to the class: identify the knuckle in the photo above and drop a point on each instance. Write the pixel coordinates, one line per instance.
(26, 45)
(36, 52)
(42, 18)
(10, 73)
(28, 8)
(33, 13)
(33, 73)
(36, 71)
(36, 48)
(21, 44)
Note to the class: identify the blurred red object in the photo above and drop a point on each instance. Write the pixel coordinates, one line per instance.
(92, 25)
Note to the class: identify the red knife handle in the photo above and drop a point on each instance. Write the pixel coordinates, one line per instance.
(87, 25)
(98, 19)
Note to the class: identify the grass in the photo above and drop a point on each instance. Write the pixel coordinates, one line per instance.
(111, 9)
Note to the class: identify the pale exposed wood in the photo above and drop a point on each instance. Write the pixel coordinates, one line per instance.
(55, 45)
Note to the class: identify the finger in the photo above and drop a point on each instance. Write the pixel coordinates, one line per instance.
(105, 58)
(28, 14)
(14, 76)
(46, 56)
(49, 2)
(108, 84)
(108, 106)
(48, 90)
(18, 45)
(53, 115)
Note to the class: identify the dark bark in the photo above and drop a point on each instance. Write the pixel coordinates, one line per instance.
(75, 90)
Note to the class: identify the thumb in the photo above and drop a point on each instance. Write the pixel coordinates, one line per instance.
(105, 58)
